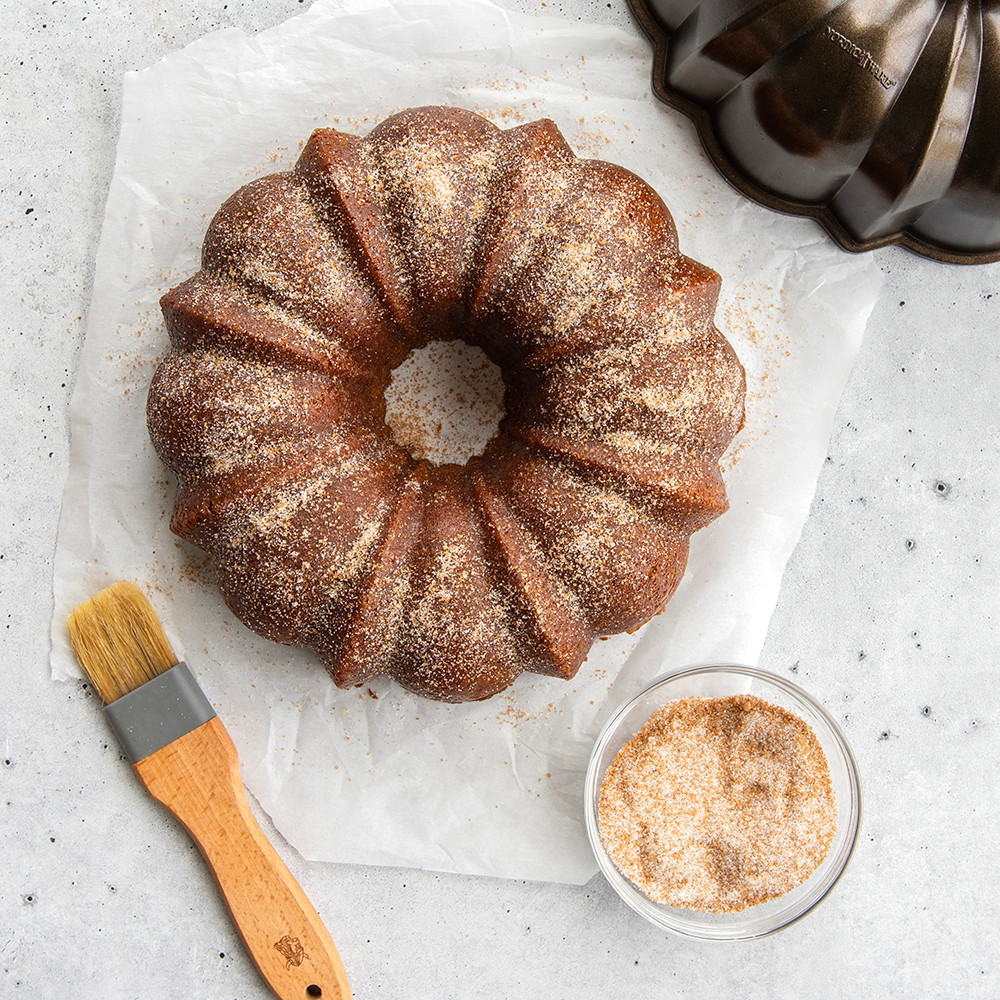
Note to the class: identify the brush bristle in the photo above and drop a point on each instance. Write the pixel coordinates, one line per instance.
(119, 641)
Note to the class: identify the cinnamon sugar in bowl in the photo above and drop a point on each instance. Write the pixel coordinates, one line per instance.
(722, 802)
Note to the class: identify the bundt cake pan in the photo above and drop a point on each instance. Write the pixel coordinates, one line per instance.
(878, 118)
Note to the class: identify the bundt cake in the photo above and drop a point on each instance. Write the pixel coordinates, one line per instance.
(620, 396)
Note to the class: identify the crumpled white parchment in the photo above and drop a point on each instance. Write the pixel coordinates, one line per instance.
(492, 788)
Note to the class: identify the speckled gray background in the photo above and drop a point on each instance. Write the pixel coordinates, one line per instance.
(886, 615)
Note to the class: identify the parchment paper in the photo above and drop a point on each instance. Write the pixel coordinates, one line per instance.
(380, 776)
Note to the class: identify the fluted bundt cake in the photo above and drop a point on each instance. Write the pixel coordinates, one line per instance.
(620, 396)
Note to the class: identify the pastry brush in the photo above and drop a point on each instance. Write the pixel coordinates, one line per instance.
(182, 753)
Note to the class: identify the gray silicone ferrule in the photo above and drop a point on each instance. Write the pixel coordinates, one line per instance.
(161, 711)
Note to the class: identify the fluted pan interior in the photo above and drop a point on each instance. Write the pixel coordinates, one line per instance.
(876, 117)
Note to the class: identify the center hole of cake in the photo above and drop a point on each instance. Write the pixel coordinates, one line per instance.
(445, 402)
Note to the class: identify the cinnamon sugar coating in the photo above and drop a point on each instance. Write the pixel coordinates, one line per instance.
(620, 397)
(718, 804)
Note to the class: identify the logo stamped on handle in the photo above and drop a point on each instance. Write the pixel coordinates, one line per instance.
(291, 950)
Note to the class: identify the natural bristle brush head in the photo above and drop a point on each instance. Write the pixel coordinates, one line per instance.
(119, 641)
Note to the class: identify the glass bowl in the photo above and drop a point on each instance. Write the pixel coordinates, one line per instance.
(721, 680)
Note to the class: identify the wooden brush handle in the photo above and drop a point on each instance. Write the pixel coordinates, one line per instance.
(197, 778)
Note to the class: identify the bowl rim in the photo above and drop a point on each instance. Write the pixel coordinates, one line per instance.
(629, 893)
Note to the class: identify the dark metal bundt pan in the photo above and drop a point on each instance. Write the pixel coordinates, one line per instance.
(878, 118)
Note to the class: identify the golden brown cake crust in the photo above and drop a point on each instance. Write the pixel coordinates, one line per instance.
(620, 396)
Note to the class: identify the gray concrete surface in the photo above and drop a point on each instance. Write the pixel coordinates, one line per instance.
(887, 614)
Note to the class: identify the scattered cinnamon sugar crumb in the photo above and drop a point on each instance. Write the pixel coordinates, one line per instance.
(718, 804)
(445, 402)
